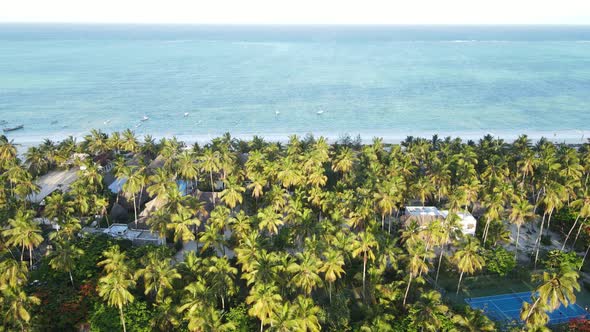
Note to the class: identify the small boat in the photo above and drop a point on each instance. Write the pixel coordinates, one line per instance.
(145, 118)
(3, 122)
(54, 122)
(277, 112)
(13, 128)
(320, 112)
(138, 125)
(185, 114)
(107, 122)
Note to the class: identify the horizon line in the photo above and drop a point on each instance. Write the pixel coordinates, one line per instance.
(289, 24)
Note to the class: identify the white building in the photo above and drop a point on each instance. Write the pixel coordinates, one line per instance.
(426, 214)
(122, 231)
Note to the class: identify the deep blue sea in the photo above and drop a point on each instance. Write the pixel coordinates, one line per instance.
(388, 81)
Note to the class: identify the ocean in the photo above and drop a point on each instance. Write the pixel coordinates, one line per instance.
(197, 82)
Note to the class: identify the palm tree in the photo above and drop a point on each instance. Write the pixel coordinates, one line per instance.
(474, 321)
(269, 220)
(165, 316)
(129, 141)
(23, 233)
(158, 275)
(305, 273)
(13, 273)
(65, 257)
(449, 231)
(521, 212)
(468, 259)
(307, 314)
(114, 288)
(264, 300)
(427, 311)
(187, 167)
(553, 200)
(232, 194)
(211, 163)
(134, 184)
(557, 288)
(385, 199)
(583, 204)
(16, 307)
(423, 188)
(417, 263)
(332, 268)
(223, 274)
(365, 245)
(181, 222)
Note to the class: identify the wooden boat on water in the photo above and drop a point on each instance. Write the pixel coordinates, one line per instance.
(13, 128)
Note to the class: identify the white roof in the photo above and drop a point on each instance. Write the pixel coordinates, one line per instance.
(423, 211)
(52, 181)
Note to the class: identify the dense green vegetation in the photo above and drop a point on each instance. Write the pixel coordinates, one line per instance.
(304, 236)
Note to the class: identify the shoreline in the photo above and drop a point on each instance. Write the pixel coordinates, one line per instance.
(571, 137)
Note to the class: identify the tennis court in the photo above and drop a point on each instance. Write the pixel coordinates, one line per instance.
(506, 308)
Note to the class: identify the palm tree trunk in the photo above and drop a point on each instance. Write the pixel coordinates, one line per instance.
(31, 256)
(578, 234)
(71, 278)
(439, 262)
(22, 253)
(212, 189)
(548, 223)
(517, 238)
(583, 259)
(261, 324)
(382, 221)
(122, 318)
(538, 242)
(532, 308)
(364, 274)
(407, 290)
(459, 284)
(222, 303)
(570, 232)
(330, 291)
(135, 210)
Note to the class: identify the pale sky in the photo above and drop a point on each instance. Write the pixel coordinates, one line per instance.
(299, 11)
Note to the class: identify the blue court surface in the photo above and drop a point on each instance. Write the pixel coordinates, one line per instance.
(506, 308)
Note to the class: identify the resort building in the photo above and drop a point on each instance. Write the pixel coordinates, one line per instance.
(122, 231)
(52, 181)
(426, 214)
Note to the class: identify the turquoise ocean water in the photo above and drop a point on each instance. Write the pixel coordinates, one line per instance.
(389, 81)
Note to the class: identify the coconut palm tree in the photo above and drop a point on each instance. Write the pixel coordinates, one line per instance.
(417, 263)
(24, 233)
(427, 311)
(129, 141)
(474, 321)
(232, 194)
(332, 267)
(264, 300)
(520, 213)
(583, 204)
(223, 274)
(211, 163)
(269, 220)
(385, 200)
(365, 245)
(16, 308)
(307, 314)
(187, 167)
(158, 275)
(305, 271)
(468, 259)
(115, 285)
(65, 257)
(181, 222)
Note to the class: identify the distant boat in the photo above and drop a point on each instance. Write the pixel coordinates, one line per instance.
(185, 114)
(14, 128)
(54, 122)
(138, 125)
(107, 122)
(277, 112)
(3, 122)
(145, 118)
(320, 112)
